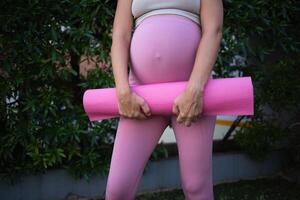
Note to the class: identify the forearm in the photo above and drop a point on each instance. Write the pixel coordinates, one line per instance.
(205, 60)
(119, 55)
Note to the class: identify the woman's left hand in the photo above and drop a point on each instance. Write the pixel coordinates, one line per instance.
(188, 106)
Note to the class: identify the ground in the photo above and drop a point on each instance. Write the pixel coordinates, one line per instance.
(260, 189)
(272, 188)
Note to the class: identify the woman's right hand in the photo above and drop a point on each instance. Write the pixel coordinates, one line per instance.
(132, 105)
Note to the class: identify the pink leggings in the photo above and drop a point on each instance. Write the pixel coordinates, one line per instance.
(163, 49)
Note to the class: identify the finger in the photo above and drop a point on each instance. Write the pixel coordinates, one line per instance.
(142, 116)
(125, 116)
(145, 108)
(187, 123)
(195, 119)
(200, 110)
(180, 118)
(138, 115)
(175, 109)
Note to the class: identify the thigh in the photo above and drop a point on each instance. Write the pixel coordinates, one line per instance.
(135, 140)
(195, 149)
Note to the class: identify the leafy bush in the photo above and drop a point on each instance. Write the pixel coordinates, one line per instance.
(263, 34)
(43, 124)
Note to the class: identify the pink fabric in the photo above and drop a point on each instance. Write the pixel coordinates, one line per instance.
(222, 96)
(135, 141)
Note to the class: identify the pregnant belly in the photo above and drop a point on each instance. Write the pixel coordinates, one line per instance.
(163, 49)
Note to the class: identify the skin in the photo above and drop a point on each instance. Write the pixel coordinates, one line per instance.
(130, 104)
(186, 106)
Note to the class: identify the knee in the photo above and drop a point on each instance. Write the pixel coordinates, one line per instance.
(193, 188)
(200, 189)
(117, 192)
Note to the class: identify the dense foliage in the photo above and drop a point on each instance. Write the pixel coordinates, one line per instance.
(263, 39)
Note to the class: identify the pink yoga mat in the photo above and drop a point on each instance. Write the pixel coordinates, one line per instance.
(222, 96)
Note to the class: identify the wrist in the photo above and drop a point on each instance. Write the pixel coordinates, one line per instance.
(195, 87)
(123, 90)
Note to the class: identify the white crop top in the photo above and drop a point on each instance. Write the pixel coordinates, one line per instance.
(142, 9)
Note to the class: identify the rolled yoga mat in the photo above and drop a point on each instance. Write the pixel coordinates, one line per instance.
(222, 96)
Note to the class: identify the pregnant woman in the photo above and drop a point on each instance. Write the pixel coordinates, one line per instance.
(174, 40)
